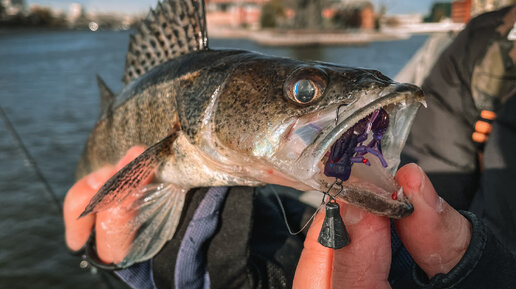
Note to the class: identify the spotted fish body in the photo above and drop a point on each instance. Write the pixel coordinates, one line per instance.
(233, 117)
(146, 111)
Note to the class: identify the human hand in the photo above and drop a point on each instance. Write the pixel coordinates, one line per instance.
(111, 240)
(435, 235)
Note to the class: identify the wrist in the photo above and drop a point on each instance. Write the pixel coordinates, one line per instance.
(464, 266)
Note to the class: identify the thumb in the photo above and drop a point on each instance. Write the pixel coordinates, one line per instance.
(315, 264)
(435, 235)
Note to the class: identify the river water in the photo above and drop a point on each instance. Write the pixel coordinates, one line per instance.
(48, 90)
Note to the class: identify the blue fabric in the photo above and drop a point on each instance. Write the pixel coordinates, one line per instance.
(138, 276)
(190, 271)
(401, 260)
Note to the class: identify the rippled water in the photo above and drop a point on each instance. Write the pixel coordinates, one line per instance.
(48, 90)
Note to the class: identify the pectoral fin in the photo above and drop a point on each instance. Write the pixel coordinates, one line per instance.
(154, 209)
(157, 210)
(136, 229)
(131, 177)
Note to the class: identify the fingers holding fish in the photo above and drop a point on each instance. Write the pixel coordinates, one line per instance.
(315, 264)
(78, 229)
(436, 235)
(112, 233)
(135, 170)
(364, 263)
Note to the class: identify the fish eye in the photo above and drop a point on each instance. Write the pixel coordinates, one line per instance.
(305, 85)
(304, 91)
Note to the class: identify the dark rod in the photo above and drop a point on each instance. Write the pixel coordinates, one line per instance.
(30, 159)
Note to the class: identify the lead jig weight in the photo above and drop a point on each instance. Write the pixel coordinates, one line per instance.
(333, 232)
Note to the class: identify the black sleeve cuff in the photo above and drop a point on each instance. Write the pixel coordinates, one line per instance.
(486, 264)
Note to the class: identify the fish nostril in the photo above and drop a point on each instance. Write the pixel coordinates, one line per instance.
(377, 76)
(384, 77)
(373, 80)
(407, 87)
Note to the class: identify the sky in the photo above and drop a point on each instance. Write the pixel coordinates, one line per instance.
(142, 6)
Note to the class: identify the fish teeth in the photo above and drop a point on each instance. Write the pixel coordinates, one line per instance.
(400, 194)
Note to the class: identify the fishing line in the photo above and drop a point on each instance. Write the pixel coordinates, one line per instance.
(30, 159)
(285, 215)
(323, 203)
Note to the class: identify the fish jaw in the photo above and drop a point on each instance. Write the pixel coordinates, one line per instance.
(372, 186)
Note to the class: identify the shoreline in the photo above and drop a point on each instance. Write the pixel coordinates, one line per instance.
(290, 37)
(295, 38)
(285, 38)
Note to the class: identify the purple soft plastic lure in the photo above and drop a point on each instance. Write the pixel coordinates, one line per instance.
(350, 148)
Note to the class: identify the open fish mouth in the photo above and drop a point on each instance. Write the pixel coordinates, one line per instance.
(360, 155)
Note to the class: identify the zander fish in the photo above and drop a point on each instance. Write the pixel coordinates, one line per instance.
(234, 117)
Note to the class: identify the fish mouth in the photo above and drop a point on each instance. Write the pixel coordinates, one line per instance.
(360, 155)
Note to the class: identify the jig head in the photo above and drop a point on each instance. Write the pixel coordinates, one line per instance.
(333, 232)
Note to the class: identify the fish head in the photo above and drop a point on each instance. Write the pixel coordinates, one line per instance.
(319, 126)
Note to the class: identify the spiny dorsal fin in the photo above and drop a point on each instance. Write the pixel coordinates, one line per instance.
(106, 96)
(174, 28)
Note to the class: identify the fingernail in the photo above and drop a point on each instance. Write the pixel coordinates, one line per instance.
(98, 178)
(94, 182)
(429, 195)
(353, 215)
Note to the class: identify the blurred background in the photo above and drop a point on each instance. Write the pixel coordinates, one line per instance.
(51, 51)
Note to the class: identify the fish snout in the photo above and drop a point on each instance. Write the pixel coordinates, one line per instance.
(408, 88)
(372, 78)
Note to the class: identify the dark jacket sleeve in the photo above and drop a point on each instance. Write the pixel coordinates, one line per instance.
(440, 139)
(441, 143)
(495, 201)
(487, 263)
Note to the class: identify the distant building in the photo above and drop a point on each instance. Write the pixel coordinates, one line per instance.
(231, 13)
(359, 14)
(461, 11)
(13, 7)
